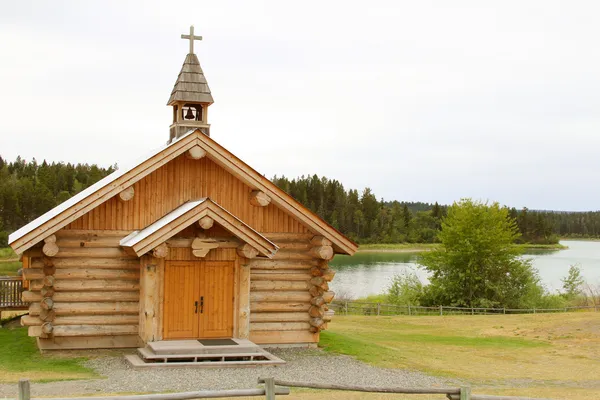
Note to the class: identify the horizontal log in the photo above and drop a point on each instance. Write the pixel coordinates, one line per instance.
(322, 252)
(124, 308)
(46, 303)
(280, 275)
(261, 264)
(195, 153)
(280, 296)
(316, 271)
(82, 297)
(320, 241)
(328, 296)
(247, 251)
(279, 326)
(278, 306)
(94, 330)
(206, 222)
(224, 243)
(50, 239)
(127, 194)
(279, 317)
(292, 255)
(376, 389)
(28, 320)
(316, 312)
(93, 252)
(77, 285)
(80, 273)
(288, 237)
(297, 246)
(279, 285)
(50, 249)
(328, 274)
(104, 263)
(32, 274)
(161, 251)
(259, 198)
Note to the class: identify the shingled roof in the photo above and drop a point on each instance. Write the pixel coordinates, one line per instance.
(191, 85)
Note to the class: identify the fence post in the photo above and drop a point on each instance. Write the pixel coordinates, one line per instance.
(378, 308)
(504, 310)
(534, 310)
(409, 309)
(465, 393)
(472, 311)
(24, 389)
(270, 388)
(346, 307)
(441, 310)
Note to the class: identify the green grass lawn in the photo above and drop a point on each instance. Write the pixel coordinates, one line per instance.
(556, 354)
(9, 262)
(20, 358)
(6, 253)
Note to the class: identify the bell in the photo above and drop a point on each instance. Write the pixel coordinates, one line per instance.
(189, 114)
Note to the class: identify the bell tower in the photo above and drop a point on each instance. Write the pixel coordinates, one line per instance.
(191, 95)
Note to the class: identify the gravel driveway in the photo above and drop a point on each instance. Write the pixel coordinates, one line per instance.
(302, 365)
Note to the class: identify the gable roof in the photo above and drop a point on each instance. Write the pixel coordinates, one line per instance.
(191, 83)
(187, 214)
(78, 205)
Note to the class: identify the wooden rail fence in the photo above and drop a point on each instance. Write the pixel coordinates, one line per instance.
(274, 387)
(11, 288)
(365, 308)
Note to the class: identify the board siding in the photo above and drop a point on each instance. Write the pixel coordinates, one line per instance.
(177, 182)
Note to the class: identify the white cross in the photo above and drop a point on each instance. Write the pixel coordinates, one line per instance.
(191, 37)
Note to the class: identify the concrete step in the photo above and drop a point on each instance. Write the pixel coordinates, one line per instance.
(149, 355)
(187, 347)
(137, 362)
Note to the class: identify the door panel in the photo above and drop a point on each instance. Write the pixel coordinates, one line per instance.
(181, 292)
(211, 284)
(216, 287)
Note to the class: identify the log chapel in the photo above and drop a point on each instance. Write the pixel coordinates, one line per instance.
(189, 243)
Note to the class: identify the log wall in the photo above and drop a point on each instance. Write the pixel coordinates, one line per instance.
(178, 181)
(280, 297)
(87, 295)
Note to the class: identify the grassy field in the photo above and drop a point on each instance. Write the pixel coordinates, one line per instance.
(9, 262)
(20, 357)
(556, 356)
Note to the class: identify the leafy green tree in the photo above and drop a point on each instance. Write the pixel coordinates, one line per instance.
(405, 289)
(572, 283)
(477, 264)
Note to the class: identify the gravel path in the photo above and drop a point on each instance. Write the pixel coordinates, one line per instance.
(302, 365)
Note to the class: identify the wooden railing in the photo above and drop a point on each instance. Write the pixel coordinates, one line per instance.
(11, 288)
(274, 387)
(366, 308)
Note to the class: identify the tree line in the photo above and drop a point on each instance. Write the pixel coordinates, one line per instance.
(28, 189)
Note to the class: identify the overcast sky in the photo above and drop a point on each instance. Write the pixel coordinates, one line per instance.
(419, 100)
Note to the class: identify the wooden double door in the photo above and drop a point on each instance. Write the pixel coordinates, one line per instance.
(199, 298)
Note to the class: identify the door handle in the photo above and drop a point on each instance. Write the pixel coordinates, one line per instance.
(201, 304)
(196, 305)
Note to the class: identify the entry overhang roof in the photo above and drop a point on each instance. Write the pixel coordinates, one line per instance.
(142, 241)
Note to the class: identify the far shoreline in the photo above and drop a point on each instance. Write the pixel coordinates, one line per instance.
(423, 247)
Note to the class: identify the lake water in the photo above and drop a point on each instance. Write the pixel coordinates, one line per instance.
(371, 273)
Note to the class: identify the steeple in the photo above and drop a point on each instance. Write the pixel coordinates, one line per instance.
(191, 95)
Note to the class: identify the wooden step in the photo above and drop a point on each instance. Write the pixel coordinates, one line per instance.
(137, 362)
